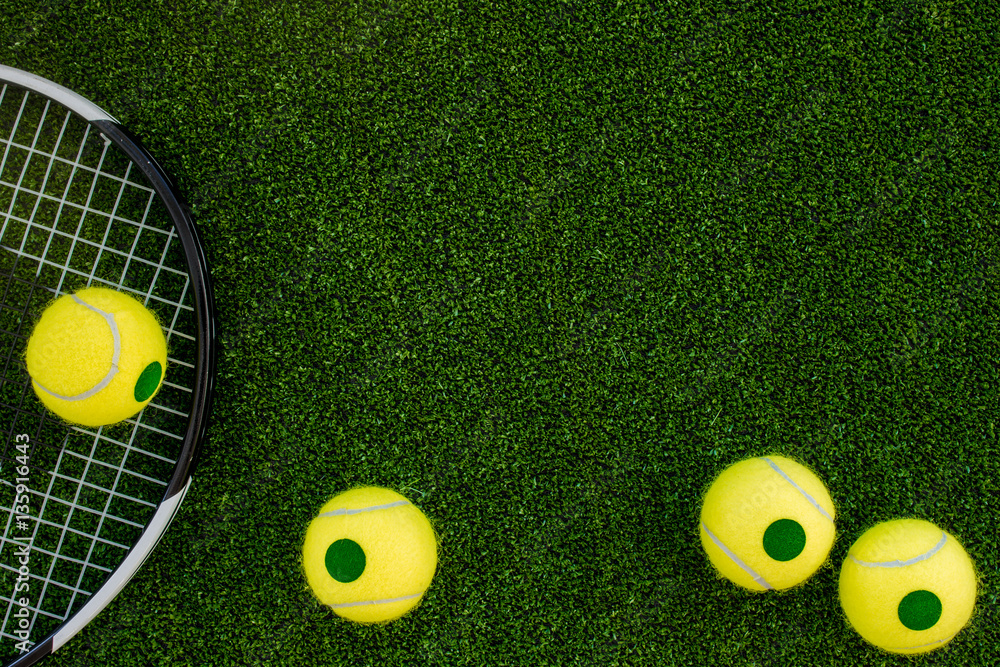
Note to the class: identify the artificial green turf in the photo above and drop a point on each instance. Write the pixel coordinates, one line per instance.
(547, 268)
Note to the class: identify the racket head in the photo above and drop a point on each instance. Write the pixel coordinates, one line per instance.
(83, 203)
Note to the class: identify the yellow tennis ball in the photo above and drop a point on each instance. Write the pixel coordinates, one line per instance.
(907, 586)
(96, 357)
(370, 555)
(767, 523)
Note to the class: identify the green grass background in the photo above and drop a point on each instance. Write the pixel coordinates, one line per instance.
(547, 268)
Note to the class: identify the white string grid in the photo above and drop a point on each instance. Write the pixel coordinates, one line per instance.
(77, 212)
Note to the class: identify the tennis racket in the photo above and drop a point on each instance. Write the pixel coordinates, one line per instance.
(82, 203)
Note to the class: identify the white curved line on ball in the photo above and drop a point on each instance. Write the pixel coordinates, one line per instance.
(115, 357)
(733, 557)
(924, 646)
(360, 510)
(798, 488)
(903, 563)
(364, 602)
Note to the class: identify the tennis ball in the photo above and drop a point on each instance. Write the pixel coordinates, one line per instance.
(907, 586)
(96, 357)
(370, 555)
(767, 523)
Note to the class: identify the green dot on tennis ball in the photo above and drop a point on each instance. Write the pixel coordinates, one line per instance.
(345, 560)
(148, 381)
(919, 610)
(784, 540)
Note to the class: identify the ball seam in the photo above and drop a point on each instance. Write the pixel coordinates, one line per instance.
(904, 563)
(798, 488)
(109, 318)
(736, 559)
(361, 510)
(341, 605)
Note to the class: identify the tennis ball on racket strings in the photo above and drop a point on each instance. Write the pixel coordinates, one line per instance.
(907, 586)
(767, 523)
(370, 555)
(96, 357)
